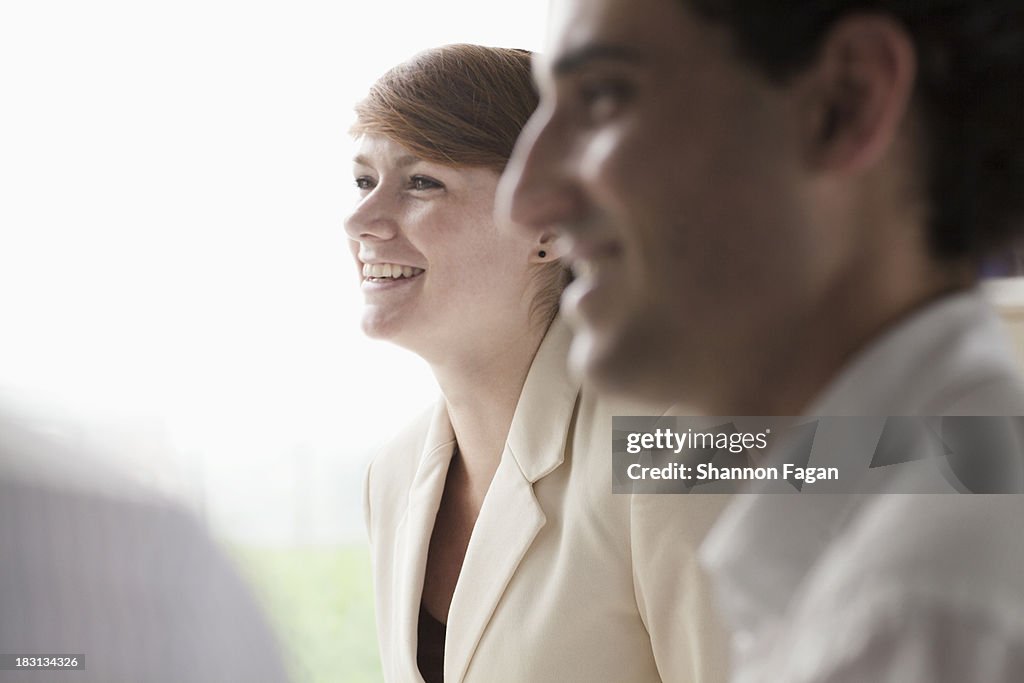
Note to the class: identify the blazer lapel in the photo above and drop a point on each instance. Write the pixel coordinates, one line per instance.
(412, 539)
(511, 517)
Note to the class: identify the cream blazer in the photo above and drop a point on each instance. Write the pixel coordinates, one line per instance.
(562, 581)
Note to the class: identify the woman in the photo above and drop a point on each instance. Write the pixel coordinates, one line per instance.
(499, 552)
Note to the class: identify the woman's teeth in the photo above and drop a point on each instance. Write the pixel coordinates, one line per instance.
(393, 271)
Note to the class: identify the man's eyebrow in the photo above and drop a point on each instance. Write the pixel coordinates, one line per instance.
(400, 162)
(577, 59)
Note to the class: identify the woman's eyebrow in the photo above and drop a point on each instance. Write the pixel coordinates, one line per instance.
(401, 162)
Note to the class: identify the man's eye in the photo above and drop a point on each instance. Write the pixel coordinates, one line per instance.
(602, 99)
(364, 183)
(420, 183)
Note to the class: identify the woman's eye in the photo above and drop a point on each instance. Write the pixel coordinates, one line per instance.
(364, 183)
(420, 183)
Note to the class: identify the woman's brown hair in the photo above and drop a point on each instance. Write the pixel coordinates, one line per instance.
(459, 105)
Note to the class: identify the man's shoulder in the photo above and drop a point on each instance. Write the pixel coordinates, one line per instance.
(972, 369)
(961, 550)
(997, 394)
(914, 576)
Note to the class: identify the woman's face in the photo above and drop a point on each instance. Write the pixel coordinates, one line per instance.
(435, 270)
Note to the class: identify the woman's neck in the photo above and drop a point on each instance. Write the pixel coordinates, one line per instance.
(482, 389)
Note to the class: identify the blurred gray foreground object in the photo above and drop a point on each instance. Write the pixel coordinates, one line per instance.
(92, 565)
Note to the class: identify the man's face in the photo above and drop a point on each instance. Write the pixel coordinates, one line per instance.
(672, 171)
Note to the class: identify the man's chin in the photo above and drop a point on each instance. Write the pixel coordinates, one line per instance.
(609, 365)
(601, 362)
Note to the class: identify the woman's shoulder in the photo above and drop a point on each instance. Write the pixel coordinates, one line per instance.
(602, 422)
(402, 449)
(596, 411)
(392, 468)
(406, 443)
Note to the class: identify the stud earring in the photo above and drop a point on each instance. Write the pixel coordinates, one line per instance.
(542, 253)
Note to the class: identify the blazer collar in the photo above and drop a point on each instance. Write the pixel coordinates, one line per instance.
(511, 517)
(539, 427)
(413, 539)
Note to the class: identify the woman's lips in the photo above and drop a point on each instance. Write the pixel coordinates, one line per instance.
(386, 271)
(383, 283)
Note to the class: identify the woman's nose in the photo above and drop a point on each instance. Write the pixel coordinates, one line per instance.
(371, 219)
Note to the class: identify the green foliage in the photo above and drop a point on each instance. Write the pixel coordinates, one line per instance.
(320, 600)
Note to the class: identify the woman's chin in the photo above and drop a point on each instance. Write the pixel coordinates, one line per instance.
(374, 328)
(377, 324)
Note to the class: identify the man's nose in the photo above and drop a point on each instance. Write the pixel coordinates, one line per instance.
(537, 192)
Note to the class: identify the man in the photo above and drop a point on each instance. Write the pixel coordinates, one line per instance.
(779, 208)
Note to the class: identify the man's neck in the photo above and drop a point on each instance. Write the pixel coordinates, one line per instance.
(847, 320)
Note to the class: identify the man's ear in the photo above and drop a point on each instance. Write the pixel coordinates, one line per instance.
(860, 89)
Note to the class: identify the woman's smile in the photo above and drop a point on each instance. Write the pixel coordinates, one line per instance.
(377, 275)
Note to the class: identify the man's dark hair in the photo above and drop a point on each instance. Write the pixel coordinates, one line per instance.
(969, 94)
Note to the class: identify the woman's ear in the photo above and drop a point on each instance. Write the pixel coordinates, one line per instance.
(859, 92)
(545, 249)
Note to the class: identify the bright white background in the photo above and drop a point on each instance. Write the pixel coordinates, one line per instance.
(174, 279)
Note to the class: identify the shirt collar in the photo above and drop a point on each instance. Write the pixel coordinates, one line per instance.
(956, 341)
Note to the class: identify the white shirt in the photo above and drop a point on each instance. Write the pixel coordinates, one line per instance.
(897, 587)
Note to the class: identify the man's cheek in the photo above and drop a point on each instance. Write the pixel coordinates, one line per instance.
(617, 155)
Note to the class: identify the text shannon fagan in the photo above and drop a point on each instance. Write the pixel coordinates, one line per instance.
(708, 472)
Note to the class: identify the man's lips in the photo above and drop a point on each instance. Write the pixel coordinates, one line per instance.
(575, 251)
